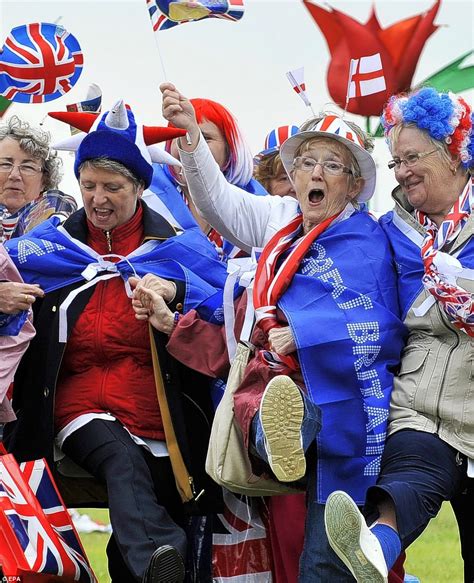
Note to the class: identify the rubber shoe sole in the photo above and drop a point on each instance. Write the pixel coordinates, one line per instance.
(281, 416)
(166, 566)
(352, 541)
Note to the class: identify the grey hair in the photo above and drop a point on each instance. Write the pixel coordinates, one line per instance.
(35, 142)
(104, 163)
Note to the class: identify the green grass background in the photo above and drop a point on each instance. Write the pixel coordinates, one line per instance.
(433, 558)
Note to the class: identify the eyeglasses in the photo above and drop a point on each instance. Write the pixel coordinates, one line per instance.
(409, 161)
(309, 164)
(25, 169)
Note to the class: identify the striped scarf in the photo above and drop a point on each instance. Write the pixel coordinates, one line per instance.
(457, 303)
(272, 281)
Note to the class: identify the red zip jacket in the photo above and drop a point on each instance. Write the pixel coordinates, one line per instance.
(107, 364)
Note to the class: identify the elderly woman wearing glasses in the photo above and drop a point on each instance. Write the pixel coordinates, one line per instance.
(326, 311)
(429, 456)
(29, 173)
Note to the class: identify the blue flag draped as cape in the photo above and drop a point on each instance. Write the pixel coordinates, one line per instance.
(407, 255)
(343, 311)
(51, 258)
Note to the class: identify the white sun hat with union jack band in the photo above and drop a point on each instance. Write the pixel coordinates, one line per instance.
(334, 128)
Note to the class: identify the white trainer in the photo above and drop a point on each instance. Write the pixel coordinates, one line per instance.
(352, 541)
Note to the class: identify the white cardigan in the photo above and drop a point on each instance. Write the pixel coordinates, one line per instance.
(244, 219)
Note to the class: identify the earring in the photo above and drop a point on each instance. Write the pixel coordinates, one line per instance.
(454, 170)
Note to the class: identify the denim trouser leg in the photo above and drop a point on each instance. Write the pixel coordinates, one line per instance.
(318, 562)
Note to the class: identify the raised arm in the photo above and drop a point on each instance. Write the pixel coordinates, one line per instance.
(239, 216)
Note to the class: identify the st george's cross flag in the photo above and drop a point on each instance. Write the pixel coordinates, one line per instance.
(39, 62)
(296, 78)
(366, 76)
(38, 541)
(166, 14)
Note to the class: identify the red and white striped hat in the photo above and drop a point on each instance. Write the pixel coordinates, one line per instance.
(334, 128)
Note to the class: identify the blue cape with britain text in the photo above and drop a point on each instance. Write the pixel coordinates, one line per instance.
(343, 310)
(50, 257)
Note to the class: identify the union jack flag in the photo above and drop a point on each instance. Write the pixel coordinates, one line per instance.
(37, 537)
(40, 62)
(166, 14)
(457, 302)
(241, 550)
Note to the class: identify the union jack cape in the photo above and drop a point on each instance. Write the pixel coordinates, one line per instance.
(40, 62)
(38, 541)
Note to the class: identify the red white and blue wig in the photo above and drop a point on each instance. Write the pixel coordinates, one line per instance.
(446, 117)
(239, 165)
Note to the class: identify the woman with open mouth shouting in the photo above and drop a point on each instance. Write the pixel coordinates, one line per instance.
(326, 308)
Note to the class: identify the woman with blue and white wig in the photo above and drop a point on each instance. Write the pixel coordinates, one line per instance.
(429, 455)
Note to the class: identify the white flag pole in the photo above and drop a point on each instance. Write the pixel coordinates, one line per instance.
(351, 68)
(302, 92)
(155, 34)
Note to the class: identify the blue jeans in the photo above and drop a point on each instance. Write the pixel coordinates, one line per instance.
(318, 562)
(419, 471)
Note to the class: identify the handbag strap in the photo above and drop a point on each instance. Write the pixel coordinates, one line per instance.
(241, 270)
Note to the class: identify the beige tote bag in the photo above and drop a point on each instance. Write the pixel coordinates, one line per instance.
(227, 461)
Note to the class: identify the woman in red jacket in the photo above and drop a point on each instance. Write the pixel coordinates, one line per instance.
(111, 397)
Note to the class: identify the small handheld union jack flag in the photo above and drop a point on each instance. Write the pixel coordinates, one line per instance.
(37, 538)
(166, 14)
(40, 62)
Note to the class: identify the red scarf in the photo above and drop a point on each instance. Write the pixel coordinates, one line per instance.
(271, 282)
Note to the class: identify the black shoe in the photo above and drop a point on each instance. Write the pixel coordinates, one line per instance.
(165, 566)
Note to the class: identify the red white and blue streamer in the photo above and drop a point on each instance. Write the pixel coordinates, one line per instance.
(457, 303)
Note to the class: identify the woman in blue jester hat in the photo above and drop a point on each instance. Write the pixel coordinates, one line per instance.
(326, 311)
(429, 455)
(95, 382)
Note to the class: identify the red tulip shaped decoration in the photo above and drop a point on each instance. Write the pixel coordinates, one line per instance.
(399, 46)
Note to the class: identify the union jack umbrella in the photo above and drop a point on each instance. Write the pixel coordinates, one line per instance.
(40, 62)
(38, 541)
(166, 14)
